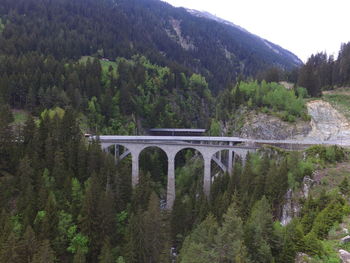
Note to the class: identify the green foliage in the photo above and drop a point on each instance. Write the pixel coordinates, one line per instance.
(216, 243)
(40, 216)
(79, 243)
(215, 129)
(268, 97)
(20, 117)
(301, 92)
(17, 227)
(313, 246)
(330, 154)
(340, 102)
(122, 222)
(322, 72)
(57, 111)
(54, 164)
(298, 169)
(120, 260)
(344, 186)
(329, 216)
(66, 229)
(148, 234)
(259, 232)
(77, 194)
(49, 181)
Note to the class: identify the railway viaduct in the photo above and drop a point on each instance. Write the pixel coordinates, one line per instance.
(209, 147)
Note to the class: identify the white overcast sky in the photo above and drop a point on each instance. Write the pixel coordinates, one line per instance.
(304, 27)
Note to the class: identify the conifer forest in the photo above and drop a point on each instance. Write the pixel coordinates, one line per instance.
(75, 67)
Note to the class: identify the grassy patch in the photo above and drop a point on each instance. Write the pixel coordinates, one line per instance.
(19, 116)
(341, 102)
(105, 64)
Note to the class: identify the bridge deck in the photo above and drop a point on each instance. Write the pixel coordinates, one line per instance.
(204, 139)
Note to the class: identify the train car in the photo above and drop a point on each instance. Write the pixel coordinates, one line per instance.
(176, 132)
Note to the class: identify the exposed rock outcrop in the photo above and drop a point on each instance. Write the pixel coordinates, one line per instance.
(307, 184)
(345, 239)
(264, 126)
(302, 258)
(184, 42)
(326, 122)
(289, 209)
(292, 207)
(344, 256)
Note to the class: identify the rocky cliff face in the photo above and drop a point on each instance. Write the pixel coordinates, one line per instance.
(264, 126)
(326, 124)
(292, 207)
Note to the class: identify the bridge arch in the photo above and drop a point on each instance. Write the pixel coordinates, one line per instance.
(189, 153)
(156, 166)
(222, 158)
(207, 149)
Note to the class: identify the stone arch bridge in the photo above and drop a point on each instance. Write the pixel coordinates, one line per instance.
(209, 147)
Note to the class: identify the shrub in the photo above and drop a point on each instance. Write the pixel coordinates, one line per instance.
(313, 246)
(330, 154)
(272, 97)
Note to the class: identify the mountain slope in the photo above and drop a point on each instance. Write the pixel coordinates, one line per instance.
(287, 59)
(217, 50)
(169, 36)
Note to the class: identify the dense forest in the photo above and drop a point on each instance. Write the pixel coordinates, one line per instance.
(323, 72)
(110, 29)
(64, 200)
(77, 66)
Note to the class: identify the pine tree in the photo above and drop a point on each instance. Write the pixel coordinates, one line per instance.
(229, 240)
(5, 227)
(26, 202)
(135, 246)
(28, 245)
(313, 246)
(9, 250)
(154, 233)
(309, 79)
(6, 136)
(79, 257)
(29, 133)
(106, 255)
(44, 254)
(259, 232)
(50, 221)
(89, 217)
(106, 217)
(198, 246)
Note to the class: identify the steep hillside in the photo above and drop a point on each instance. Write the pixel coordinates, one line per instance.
(215, 49)
(121, 28)
(286, 60)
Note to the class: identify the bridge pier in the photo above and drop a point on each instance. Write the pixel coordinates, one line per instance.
(207, 174)
(135, 154)
(170, 194)
(116, 153)
(229, 164)
(135, 169)
(243, 154)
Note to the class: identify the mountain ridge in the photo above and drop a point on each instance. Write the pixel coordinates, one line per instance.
(268, 43)
(124, 28)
